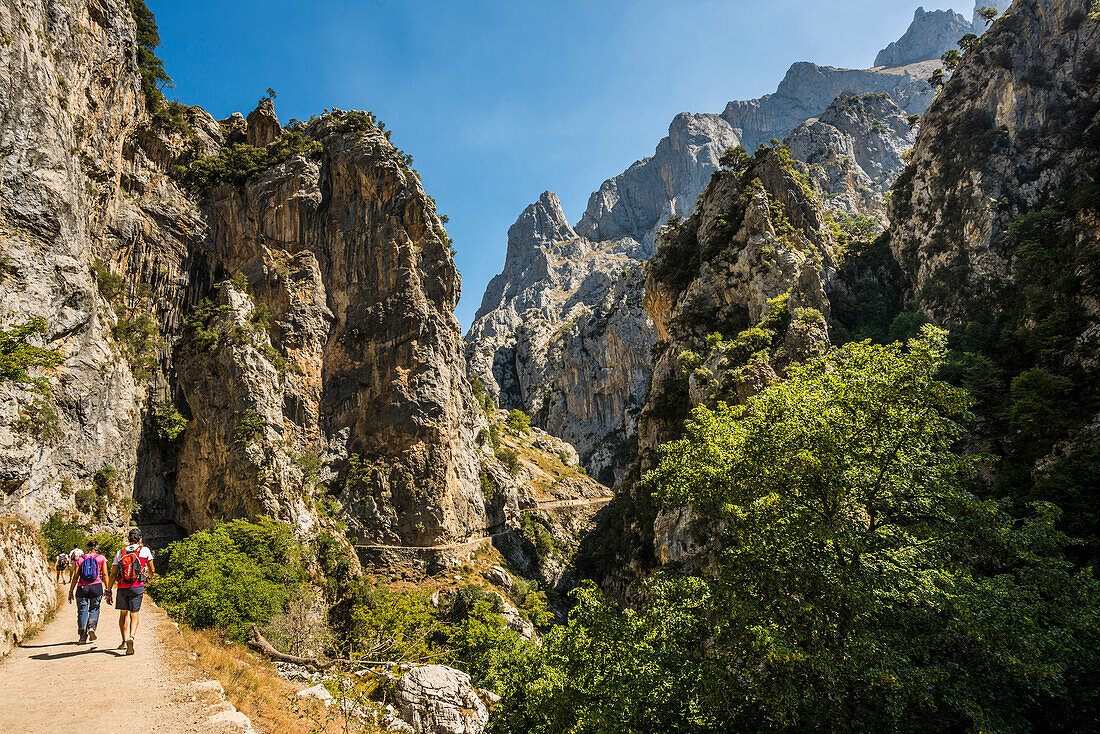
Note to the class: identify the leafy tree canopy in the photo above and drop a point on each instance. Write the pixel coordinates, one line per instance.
(858, 585)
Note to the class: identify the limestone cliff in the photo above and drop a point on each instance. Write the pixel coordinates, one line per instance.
(1013, 127)
(83, 178)
(994, 226)
(641, 199)
(28, 592)
(526, 345)
(808, 89)
(736, 292)
(288, 291)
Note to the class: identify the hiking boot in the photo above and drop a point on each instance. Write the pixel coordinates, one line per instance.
(91, 635)
(130, 646)
(83, 638)
(121, 645)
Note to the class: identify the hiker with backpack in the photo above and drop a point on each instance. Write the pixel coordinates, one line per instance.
(87, 583)
(60, 564)
(132, 567)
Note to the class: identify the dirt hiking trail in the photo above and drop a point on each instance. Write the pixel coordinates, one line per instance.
(52, 684)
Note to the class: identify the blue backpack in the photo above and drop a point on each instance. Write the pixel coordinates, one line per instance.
(89, 569)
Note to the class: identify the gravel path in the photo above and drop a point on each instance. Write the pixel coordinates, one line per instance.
(52, 684)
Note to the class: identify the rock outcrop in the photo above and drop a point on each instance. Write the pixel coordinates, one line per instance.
(854, 152)
(930, 34)
(735, 293)
(27, 589)
(995, 226)
(808, 89)
(435, 699)
(1014, 128)
(524, 344)
(83, 178)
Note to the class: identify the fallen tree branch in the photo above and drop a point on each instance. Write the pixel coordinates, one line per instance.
(259, 643)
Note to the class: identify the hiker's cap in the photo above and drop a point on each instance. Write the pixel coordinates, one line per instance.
(135, 535)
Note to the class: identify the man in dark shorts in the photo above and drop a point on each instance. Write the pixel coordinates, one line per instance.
(132, 568)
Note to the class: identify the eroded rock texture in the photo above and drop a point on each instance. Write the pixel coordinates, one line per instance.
(564, 310)
(736, 292)
(332, 356)
(27, 587)
(1015, 126)
(930, 34)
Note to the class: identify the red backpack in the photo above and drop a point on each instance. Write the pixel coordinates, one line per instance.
(130, 569)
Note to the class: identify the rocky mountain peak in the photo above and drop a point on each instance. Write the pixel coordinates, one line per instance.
(541, 222)
(638, 201)
(930, 34)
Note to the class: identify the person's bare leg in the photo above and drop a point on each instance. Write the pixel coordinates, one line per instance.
(134, 618)
(123, 623)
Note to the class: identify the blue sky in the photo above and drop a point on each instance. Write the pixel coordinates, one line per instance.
(499, 101)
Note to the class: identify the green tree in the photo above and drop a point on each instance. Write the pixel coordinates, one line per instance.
(951, 58)
(988, 14)
(968, 42)
(519, 420)
(17, 356)
(481, 643)
(230, 576)
(62, 535)
(858, 583)
(737, 159)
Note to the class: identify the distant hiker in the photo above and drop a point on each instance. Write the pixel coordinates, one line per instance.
(88, 575)
(74, 554)
(132, 567)
(60, 564)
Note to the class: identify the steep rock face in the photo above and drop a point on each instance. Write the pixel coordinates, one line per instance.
(638, 201)
(333, 357)
(556, 283)
(1015, 125)
(346, 253)
(82, 176)
(854, 151)
(27, 587)
(601, 368)
(928, 36)
(995, 226)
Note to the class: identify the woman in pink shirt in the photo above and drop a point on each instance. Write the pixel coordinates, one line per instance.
(87, 582)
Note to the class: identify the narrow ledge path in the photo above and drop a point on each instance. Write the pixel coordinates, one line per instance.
(481, 539)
